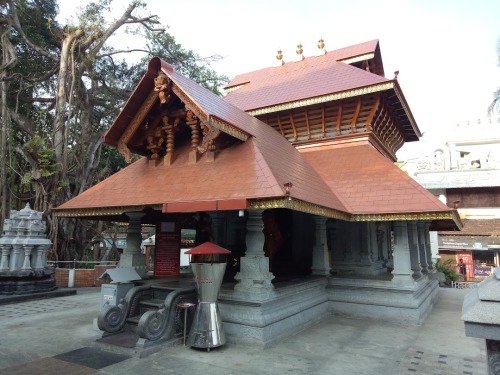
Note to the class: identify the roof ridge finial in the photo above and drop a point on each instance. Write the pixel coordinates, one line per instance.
(279, 58)
(299, 51)
(321, 47)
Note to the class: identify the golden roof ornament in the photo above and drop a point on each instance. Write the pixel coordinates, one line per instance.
(279, 58)
(321, 47)
(299, 51)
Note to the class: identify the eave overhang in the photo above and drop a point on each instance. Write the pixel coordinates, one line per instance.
(451, 218)
(412, 132)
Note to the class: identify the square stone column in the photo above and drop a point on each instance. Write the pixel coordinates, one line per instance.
(428, 250)
(422, 247)
(321, 261)
(402, 272)
(254, 278)
(414, 250)
(132, 256)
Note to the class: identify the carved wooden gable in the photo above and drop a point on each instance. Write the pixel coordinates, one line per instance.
(169, 117)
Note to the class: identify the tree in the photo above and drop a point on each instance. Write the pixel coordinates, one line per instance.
(494, 106)
(62, 87)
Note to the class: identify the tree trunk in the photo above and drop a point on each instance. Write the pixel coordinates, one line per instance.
(9, 60)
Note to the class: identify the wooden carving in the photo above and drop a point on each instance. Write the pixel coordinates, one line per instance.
(169, 130)
(210, 134)
(155, 140)
(163, 86)
(192, 122)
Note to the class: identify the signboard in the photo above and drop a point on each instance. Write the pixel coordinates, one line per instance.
(167, 249)
(482, 271)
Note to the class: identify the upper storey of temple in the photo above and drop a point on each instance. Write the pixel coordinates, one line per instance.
(334, 96)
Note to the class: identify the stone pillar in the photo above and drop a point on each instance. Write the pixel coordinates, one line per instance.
(422, 247)
(4, 262)
(321, 262)
(132, 256)
(37, 264)
(414, 251)
(402, 272)
(14, 259)
(428, 251)
(254, 276)
(27, 258)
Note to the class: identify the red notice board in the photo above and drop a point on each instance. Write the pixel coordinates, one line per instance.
(167, 249)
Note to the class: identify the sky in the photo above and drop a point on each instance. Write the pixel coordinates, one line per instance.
(445, 50)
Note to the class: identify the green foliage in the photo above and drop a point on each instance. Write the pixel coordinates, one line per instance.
(448, 269)
(43, 156)
(185, 61)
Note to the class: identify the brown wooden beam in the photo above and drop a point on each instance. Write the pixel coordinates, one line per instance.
(372, 113)
(279, 125)
(307, 124)
(323, 119)
(355, 116)
(293, 125)
(339, 119)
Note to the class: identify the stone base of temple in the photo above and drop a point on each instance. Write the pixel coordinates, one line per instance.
(291, 307)
(27, 282)
(376, 298)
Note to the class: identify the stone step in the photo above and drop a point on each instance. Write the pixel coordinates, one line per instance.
(155, 302)
(133, 320)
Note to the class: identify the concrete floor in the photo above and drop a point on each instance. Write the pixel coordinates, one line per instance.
(39, 337)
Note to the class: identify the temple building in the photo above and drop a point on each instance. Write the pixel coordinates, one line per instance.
(460, 164)
(293, 172)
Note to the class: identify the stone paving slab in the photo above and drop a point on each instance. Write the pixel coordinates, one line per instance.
(423, 362)
(34, 335)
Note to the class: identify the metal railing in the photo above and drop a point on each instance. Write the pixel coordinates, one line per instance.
(464, 284)
(74, 262)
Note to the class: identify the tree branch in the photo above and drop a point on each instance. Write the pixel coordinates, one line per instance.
(19, 29)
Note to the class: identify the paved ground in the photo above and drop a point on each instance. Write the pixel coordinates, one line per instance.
(56, 336)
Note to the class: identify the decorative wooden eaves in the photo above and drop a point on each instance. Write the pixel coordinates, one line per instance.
(323, 99)
(372, 113)
(451, 216)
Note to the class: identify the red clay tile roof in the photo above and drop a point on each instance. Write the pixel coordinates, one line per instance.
(309, 78)
(369, 183)
(355, 179)
(257, 168)
(355, 50)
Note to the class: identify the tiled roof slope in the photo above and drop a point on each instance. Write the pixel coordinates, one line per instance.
(369, 183)
(312, 77)
(258, 168)
(477, 227)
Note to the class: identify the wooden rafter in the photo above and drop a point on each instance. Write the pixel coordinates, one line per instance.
(323, 119)
(339, 119)
(293, 125)
(279, 125)
(370, 116)
(355, 116)
(307, 124)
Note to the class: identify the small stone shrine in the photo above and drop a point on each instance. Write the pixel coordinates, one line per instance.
(23, 266)
(481, 317)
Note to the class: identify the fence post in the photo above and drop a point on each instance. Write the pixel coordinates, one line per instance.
(71, 275)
